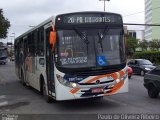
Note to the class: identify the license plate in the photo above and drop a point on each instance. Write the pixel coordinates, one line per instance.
(97, 90)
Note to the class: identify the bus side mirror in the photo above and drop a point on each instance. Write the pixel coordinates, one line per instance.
(52, 38)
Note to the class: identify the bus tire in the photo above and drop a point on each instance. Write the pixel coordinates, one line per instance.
(44, 91)
(22, 79)
(98, 98)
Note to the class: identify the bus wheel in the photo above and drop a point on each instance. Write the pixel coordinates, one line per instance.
(46, 97)
(98, 98)
(22, 79)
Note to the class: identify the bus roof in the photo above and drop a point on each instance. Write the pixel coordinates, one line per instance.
(89, 12)
(52, 19)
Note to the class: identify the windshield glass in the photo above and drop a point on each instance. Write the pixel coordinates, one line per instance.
(78, 48)
(145, 62)
(3, 53)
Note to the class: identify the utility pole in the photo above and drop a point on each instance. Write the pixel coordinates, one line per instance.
(104, 3)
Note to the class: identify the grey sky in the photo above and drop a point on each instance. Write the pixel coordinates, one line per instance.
(23, 13)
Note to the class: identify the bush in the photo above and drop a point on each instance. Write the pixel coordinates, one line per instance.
(153, 56)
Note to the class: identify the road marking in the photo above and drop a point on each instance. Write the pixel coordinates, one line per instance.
(2, 96)
(3, 103)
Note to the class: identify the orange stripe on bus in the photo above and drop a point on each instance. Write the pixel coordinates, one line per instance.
(115, 88)
(74, 90)
(114, 75)
(121, 73)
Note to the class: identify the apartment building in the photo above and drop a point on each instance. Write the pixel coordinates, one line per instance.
(152, 16)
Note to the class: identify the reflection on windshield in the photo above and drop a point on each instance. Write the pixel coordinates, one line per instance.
(145, 62)
(103, 51)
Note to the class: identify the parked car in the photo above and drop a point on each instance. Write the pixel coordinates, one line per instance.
(140, 66)
(130, 72)
(152, 82)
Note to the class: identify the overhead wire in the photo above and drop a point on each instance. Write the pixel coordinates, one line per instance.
(141, 12)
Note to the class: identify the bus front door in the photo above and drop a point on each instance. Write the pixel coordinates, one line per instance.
(49, 65)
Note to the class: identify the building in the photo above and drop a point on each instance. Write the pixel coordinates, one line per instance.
(152, 16)
(132, 33)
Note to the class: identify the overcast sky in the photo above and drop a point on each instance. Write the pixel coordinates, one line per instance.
(25, 13)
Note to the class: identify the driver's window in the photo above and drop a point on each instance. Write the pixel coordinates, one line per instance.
(136, 62)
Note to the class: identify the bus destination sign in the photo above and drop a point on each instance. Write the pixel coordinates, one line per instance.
(79, 20)
(89, 19)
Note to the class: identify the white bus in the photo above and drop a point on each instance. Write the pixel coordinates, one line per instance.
(74, 56)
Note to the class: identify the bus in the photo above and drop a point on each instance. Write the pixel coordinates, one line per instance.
(74, 56)
(3, 55)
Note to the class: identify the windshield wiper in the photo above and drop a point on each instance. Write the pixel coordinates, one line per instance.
(102, 36)
(83, 37)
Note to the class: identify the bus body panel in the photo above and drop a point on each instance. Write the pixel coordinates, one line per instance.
(33, 76)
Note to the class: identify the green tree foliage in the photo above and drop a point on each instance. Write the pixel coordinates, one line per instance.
(153, 56)
(143, 44)
(4, 25)
(154, 44)
(132, 44)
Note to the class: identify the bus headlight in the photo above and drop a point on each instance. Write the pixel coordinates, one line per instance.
(65, 82)
(118, 80)
(74, 85)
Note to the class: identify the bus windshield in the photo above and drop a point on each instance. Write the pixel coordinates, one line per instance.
(83, 48)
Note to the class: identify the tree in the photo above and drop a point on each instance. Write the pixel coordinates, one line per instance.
(132, 44)
(4, 25)
(143, 44)
(154, 44)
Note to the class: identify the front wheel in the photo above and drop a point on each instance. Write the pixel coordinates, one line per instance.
(46, 97)
(152, 91)
(22, 79)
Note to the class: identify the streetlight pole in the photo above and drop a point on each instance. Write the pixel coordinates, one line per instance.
(104, 3)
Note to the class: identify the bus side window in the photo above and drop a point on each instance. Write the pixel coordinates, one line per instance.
(40, 42)
(35, 42)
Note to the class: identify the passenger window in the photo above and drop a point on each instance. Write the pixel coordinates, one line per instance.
(156, 71)
(40, 42)
(136, 62)
(132, 62)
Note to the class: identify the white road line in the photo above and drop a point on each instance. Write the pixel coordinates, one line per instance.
(2, 96)
(3, 103)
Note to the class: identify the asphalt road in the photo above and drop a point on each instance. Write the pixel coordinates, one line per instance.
(15, 98)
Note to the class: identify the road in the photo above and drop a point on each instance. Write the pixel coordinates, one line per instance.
(17, 99)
